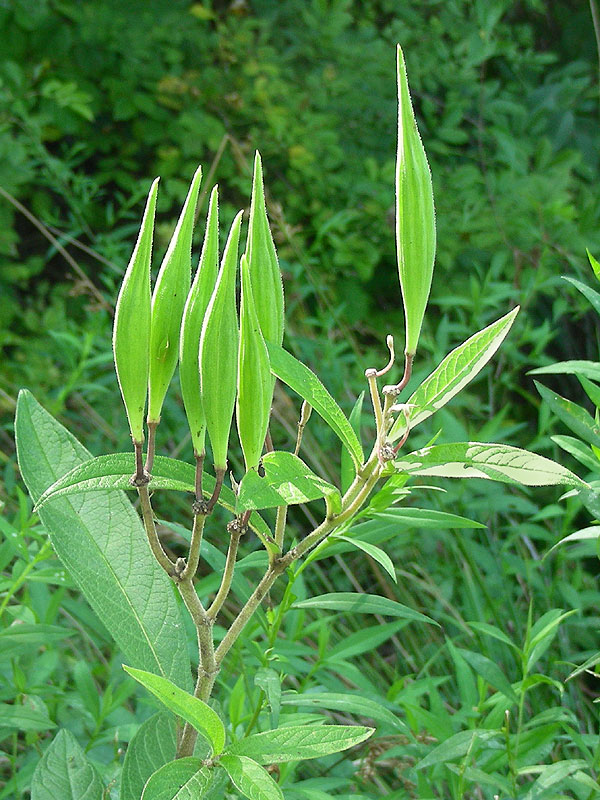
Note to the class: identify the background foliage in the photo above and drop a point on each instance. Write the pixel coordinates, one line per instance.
(98, 98)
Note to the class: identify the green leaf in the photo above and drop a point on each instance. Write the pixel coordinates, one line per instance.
(201, 716)
(252, 780)
(287, 481)
(498, 462)
(554, 773)
(584, 535)
(347, 704)
(270, 682)
(363, 604)
(574, 417)
(425, 518)
(589, 294)
(578, 450)
(305, 383)
(455, 747)
(184, 779)
(589, 369)
(152, 746)
(365, 640)
(375, 552)
(491, 630)
(64, 772)
(15, 717)
(454, 373)
(21, 635)
(490, 672)
(295, 743)
(347, 468)
(594, 264)
(114, 471)
(102, 543)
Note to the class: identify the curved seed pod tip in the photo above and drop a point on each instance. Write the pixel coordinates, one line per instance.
(415, 215)
(168, 300)
(191, 326)
(255, 383)
(266, 280)
(219, 352)
(131, 330)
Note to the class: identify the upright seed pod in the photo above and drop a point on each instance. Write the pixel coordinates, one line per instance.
(415, 215)
(170, 293)
(191, 326)
(131, 331)
(267, 285)
(219, 352)
(255, 383)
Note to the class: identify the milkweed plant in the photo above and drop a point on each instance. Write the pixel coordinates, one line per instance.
(230, 355)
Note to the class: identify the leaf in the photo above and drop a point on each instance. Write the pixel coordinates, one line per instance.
(490, 672)
(28, 635)
(201, 716)
(347, 468)
(578, 450)
(296, 743)
(363, 604)
(102, 543)
(305, 383)
(554, 773)
(589, 369)
(375, 552)
(287, 481)
(454, 373)
(455, 747)
(250, 778)
(22, 718)
(64, 772)
(270, 682)
(346, 704)
(425, 518)
(152, 746)
(574, 417)
(184, 779)
(498, 462)
(584, 535)
(114, 471)
(364, 640)
(589, 294)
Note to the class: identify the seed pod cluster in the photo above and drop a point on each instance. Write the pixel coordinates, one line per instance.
(415, 215)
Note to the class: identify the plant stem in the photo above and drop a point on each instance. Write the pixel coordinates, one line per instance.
(194, 553)
(280, 526)
(221, 596)
(152, 426)
(219, 476)
(153, 540)
(198, 478)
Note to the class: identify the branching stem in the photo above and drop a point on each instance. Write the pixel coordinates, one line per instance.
(221, 596)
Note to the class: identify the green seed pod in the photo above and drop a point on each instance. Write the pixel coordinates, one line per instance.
(191, 326)
(255, 382)
(131, 331)
(219, 351)
(266, 280)
(170, 293)
(415, 215)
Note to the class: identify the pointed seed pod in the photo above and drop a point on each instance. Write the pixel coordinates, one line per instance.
(415, 215)
(219, 352)
(170, 293)
(131, 331)
(255, 382)
(191, 326)
(267, 285)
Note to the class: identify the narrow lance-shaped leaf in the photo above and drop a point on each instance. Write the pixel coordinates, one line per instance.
(191, 326)
(264, 266)
(170, 293)
(131, 331)
(255, 383)
(459, 367)
(415, 215)
(219, 352)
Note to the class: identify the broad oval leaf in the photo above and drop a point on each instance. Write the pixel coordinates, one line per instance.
(295, 743)
(498, 462)
(363, 604)
(286, 481)
(114, 471)
(252, 780)
(152, 746)
(454, 373)
(184, 779)
(305, 383)
(64, 771)
(200, 715)
(101, 541)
